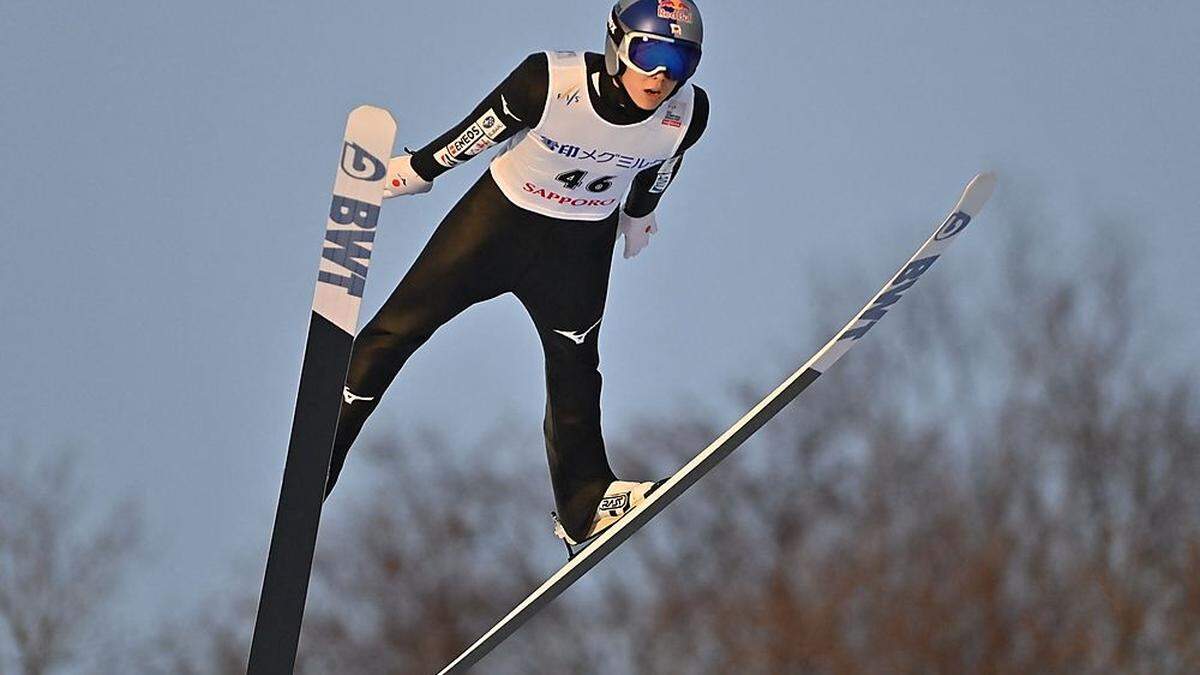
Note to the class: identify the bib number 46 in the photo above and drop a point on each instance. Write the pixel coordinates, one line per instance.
(573, 179)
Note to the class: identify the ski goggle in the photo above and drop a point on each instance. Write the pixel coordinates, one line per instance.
(649, 54)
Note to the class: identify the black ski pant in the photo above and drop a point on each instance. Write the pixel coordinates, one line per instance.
(485, 247)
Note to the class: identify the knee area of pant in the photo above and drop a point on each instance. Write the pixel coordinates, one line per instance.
(572, 383)
(566, 354)
(398, 332)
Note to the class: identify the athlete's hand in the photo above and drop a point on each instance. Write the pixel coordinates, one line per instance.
(402, 180)
(637, 232)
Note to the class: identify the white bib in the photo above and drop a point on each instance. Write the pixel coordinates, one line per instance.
(576, 166)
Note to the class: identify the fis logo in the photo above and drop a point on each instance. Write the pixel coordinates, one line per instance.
(360, 164)
(348, 249)
(571, 97)
(903, 281)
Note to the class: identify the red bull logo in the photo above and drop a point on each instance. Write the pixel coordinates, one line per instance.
(674, 10)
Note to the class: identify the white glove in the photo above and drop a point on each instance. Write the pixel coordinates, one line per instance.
(637, 232)
(402, 180)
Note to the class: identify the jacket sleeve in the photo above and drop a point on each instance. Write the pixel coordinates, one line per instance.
(650, 185)
(515, 104)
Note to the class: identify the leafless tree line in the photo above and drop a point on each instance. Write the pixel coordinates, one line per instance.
(1001, 479)
(61, 559)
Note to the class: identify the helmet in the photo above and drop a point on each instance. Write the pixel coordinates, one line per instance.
(650, 36)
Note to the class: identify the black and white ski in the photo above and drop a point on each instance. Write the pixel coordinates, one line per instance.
(969, 205)
(349, 237)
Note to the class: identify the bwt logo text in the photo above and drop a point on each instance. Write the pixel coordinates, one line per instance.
(344, 247)
(890, 296)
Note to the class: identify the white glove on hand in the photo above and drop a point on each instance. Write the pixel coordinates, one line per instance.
(402, 180)
(637, 232)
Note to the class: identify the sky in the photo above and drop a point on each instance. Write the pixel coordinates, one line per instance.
(165, 170)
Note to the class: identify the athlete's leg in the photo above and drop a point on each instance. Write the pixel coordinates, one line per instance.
(564, 293)
(472, 256)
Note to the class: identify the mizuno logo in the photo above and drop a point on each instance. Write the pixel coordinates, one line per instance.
(578, 338)
(507, 110)
(351, 398)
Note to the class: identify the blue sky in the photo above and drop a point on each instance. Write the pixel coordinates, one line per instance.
(166, 168)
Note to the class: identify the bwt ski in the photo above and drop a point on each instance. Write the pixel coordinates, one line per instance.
(969, 205)
(341, 279)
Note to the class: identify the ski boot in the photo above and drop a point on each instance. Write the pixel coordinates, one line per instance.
(620, 498)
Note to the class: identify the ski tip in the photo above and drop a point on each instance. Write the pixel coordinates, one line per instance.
(373, 113)
(978, 191)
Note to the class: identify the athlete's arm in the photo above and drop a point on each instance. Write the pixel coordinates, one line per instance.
(649, 185)
(515, 104)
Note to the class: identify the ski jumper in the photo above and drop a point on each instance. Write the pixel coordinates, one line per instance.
(541, 223)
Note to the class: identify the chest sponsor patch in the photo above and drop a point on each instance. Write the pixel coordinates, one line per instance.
(567, 200)
(597, 155)
(671, 117)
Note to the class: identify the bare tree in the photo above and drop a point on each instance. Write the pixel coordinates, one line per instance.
(992, 485)
(60, 559)
(1049, 524)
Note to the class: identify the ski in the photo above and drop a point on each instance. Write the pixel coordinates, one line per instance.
(969, 205)
(341, 278)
